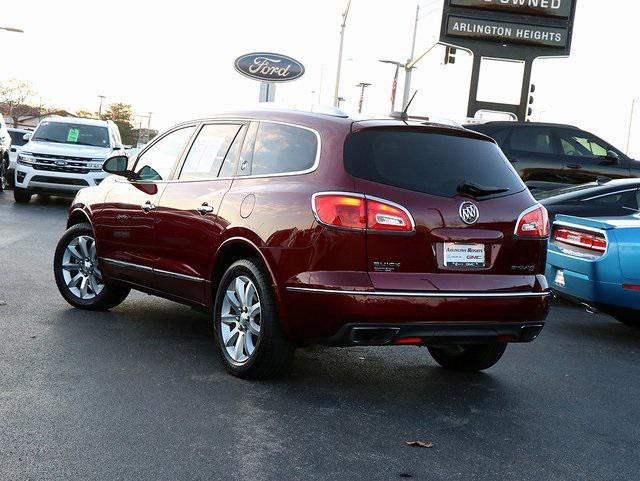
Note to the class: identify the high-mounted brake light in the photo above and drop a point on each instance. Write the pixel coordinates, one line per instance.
(533, 222)
(354, 211)
(590, 241)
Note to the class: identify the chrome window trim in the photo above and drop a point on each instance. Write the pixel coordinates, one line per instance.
(311, 169)
(459, 295)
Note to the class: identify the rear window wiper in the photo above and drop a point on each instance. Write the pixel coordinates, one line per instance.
(477, 190)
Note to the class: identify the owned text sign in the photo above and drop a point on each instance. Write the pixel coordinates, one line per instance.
(550, 8)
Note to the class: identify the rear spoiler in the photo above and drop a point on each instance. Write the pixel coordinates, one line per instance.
(600, 224)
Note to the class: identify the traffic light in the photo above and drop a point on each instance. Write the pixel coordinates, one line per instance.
(532, 90)
(450, 55)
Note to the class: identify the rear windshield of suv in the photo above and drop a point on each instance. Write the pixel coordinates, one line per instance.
(71, 133)
(431, 163)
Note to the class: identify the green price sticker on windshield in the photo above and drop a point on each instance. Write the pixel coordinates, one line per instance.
(73, 135)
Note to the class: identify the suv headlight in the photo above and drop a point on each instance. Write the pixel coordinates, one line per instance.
(26, 158)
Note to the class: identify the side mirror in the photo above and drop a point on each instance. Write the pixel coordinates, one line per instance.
(117, 165)
(612, 156)
(27, 137)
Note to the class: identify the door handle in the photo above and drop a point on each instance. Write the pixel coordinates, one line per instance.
(574, 166)
(148, 206)
(205, 209)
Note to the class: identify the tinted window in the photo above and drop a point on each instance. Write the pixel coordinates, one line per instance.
(581, 144)
(72, 133)
(208, 152)
(244, 167)
(431, 163)
(537, 140)
(282, 148)
(157, 162)
(17, 138)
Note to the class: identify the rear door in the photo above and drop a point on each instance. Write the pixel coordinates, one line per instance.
(533, 152)
(585, 158)
(423, 171)
(187, 223)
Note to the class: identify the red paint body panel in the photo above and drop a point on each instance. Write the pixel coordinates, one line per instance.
(273, 218)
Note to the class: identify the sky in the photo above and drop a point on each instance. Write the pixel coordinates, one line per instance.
(175, 59)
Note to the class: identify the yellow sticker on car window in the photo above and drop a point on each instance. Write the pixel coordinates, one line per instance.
(73, 135)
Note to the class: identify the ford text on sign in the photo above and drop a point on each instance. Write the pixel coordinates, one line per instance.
(269, 67)
(507, 32)
(551, 8)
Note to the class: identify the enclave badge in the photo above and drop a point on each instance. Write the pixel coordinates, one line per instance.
(269, 67)
(469, 213)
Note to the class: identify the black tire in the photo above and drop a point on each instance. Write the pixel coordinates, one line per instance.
(468, 358)
(273, 351)
(109, 297)
(21, 196)
(4, 167)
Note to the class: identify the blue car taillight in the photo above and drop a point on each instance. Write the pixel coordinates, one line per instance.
(573, 241)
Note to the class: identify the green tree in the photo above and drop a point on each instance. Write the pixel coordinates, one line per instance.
(122, 115)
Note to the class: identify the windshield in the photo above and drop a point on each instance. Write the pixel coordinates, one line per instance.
(437, 164)
(71, 133)
(546, 194)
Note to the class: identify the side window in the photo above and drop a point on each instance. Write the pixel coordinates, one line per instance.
(614, 199)
(581, 144)
(532, 139)
(209, 151)
(280, 149)
(157, 162)
(632, 202)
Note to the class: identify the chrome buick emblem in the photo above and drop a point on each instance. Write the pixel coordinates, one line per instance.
(469, 213)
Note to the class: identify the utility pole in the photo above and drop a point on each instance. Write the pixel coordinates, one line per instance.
(633, 111)
(409, 72)
(345, 15)
(363, 86)
(149, 122)
(101, 97)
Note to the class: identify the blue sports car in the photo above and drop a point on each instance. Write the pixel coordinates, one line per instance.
(597, 261)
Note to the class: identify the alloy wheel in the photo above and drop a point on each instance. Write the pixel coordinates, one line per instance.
(240, 319)
(80, 269)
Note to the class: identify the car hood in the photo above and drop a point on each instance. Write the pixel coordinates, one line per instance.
(70, 150)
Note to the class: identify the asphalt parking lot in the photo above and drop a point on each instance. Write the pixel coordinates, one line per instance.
(138, 393)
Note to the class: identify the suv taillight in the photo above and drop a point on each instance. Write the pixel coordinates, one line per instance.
(592, 242)
(354, 211)
(533, 222)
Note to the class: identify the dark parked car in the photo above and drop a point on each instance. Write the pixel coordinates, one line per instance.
(616, 198)
(293, 227)
(552, 156)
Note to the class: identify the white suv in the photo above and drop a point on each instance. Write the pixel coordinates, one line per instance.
(64, 155)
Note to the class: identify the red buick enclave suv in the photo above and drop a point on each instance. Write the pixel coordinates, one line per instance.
(293, 227)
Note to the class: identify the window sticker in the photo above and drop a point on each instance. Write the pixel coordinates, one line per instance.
(73, 135)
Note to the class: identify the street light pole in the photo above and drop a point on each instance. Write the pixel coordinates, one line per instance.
(101, 97)
(11, 29)
(633, 111)
(363, 86)
(149, 122)
(345, 15)
(409, 72)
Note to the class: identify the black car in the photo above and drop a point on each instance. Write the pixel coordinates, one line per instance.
(598, 199)
(552, 156)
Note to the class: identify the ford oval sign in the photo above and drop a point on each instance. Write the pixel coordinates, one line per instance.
(269, 67)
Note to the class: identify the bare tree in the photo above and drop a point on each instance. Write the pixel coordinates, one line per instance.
(14, 94)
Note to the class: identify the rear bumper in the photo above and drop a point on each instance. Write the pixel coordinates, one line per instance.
(434, 334)
(314, 313)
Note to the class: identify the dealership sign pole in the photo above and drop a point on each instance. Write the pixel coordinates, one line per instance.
(520, 30)
(269, 69)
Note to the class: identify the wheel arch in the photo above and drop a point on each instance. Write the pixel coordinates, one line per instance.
(78, 216)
